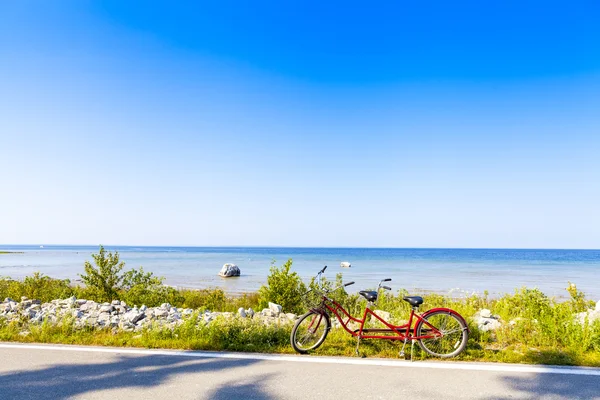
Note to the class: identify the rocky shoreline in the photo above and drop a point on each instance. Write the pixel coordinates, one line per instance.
(119, 316)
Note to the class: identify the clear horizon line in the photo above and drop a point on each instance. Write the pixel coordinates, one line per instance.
(307, 247)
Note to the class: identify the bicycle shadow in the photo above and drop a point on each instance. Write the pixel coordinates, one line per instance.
(64, 381)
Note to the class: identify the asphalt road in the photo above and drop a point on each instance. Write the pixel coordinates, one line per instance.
(52, 372)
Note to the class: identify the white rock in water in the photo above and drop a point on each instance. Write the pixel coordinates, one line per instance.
(229, 270)
(345, 264)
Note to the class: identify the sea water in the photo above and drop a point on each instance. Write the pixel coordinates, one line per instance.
(457, 271)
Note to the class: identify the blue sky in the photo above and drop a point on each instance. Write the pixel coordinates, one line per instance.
(300, 124)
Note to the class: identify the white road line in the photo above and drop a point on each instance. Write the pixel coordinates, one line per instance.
(320, 360)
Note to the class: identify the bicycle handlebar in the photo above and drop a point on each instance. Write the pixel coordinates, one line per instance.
(386, 280)
(323, 270)
(387, 287)
(349, 283)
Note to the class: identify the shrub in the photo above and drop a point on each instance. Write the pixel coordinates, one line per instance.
(141, 287)
(45, 289)
(37, 286)
(284, 288)
(103, 281)
(578, 301)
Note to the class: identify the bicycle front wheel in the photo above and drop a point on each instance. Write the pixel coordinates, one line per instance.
(452, 337)
(310, 331)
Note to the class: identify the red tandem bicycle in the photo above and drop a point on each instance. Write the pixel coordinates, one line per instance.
(440, 332)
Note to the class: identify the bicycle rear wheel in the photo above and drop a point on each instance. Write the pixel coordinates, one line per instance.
(453, 334)
(310, 331)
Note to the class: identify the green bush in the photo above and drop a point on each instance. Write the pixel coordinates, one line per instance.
(37, 286)
(141, 287)
(284, 288)
(103, 281)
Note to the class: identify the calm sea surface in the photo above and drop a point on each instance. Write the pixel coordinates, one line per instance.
(418, 270)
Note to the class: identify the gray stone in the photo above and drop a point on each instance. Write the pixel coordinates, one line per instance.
(275, 308)
(143, 308)
(106, 308)
(242, 312)
(26, 303)
(229, 270)
(89, 306)
(267, 312)
(160, 313)
(485, 313)
(133, 316)
(590, 316)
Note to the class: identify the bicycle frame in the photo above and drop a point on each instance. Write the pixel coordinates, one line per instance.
(402, 332)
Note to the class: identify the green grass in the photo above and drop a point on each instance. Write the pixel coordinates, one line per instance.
(253, 336)
(544, 329)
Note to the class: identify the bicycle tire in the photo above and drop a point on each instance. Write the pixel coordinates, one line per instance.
(454, 338)
(301, 332)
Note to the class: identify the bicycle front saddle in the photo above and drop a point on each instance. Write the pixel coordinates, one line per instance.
(370, 295)
(414, 300)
